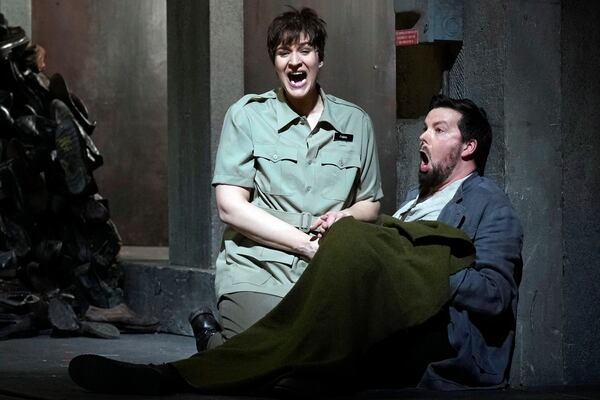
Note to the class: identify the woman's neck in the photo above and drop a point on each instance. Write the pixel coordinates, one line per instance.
(310, 107)
(305, 106)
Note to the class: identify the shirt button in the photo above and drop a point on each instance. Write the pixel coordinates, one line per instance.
(308, 188)
(309, 162)
(275, 156)
(342, 163)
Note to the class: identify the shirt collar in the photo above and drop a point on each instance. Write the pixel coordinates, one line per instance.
(286, 116)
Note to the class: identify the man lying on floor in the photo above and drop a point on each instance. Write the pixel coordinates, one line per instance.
(426, 298)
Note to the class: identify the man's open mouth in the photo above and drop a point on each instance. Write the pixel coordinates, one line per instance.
(424, 166)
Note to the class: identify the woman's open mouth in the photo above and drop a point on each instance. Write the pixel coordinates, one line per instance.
(297, 78)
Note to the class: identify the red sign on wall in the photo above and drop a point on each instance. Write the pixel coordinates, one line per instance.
(407, 37)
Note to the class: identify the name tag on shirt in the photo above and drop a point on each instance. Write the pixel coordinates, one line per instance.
(343, 137)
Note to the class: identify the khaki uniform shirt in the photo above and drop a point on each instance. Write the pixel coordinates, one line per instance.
(268, 148)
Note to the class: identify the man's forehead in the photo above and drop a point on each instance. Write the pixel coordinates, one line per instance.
(441, 115)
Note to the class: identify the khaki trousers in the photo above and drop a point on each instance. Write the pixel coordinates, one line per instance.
(239, 311)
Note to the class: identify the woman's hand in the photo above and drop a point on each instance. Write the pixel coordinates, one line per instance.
(235, 209)
(365, 210)
(324, 222)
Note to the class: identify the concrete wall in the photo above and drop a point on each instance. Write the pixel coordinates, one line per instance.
(113, 55)
(484, 52)
(18, 13)
(533, 164)
(580, 145)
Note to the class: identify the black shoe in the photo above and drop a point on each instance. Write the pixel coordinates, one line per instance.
(35, 129)
(47, 251)
(103, 375)
(10, 38)
(17, 326)
(6, 120)
(122, 317)
(62, 317)
(204, 325)
(59, 90)
(33, 193)
(8, 260)
(93, 209)
(98, 330)
(69, 148)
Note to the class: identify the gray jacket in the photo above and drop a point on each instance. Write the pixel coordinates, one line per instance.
(483, 308)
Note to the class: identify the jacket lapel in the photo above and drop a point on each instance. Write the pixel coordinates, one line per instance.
(453, 213)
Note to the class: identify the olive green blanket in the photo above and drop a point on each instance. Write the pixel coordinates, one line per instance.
(366, 282)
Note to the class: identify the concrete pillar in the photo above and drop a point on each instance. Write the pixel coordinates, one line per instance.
(18, 13)
(227, 83)
(205, 75)
(188, 93)
(513, 68)
(484, 55)
(534, 166)
(580, 118)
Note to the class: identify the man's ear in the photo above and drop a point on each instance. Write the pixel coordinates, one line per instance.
(469, 148)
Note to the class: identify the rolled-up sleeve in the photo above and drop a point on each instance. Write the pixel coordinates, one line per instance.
(370, 178)
(234, 163)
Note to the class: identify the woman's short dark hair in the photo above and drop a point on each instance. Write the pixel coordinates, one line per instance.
(473, 124)
(286, 29)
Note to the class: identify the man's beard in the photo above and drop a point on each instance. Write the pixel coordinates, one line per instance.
(438, 173)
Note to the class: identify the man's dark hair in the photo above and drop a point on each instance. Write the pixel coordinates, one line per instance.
(286, 29)
(473, 124)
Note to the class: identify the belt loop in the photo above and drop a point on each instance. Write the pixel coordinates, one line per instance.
(305, 221)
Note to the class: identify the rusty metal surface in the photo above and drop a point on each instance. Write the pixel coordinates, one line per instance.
(113, 55)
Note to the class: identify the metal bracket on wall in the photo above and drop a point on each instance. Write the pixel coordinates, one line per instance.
(437, 20)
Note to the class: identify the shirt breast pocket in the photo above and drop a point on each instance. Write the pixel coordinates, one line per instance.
(338, 173)
(276, 167)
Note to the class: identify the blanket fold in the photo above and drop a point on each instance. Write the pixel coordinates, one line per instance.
(366, 282)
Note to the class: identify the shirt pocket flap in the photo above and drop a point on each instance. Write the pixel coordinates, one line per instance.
(340, 159)
(275, 153)
(266, 254)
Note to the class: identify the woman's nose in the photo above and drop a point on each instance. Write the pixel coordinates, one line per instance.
(294, 58)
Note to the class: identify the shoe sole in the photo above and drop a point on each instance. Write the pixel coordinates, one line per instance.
(99, 330)
(69, 150)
